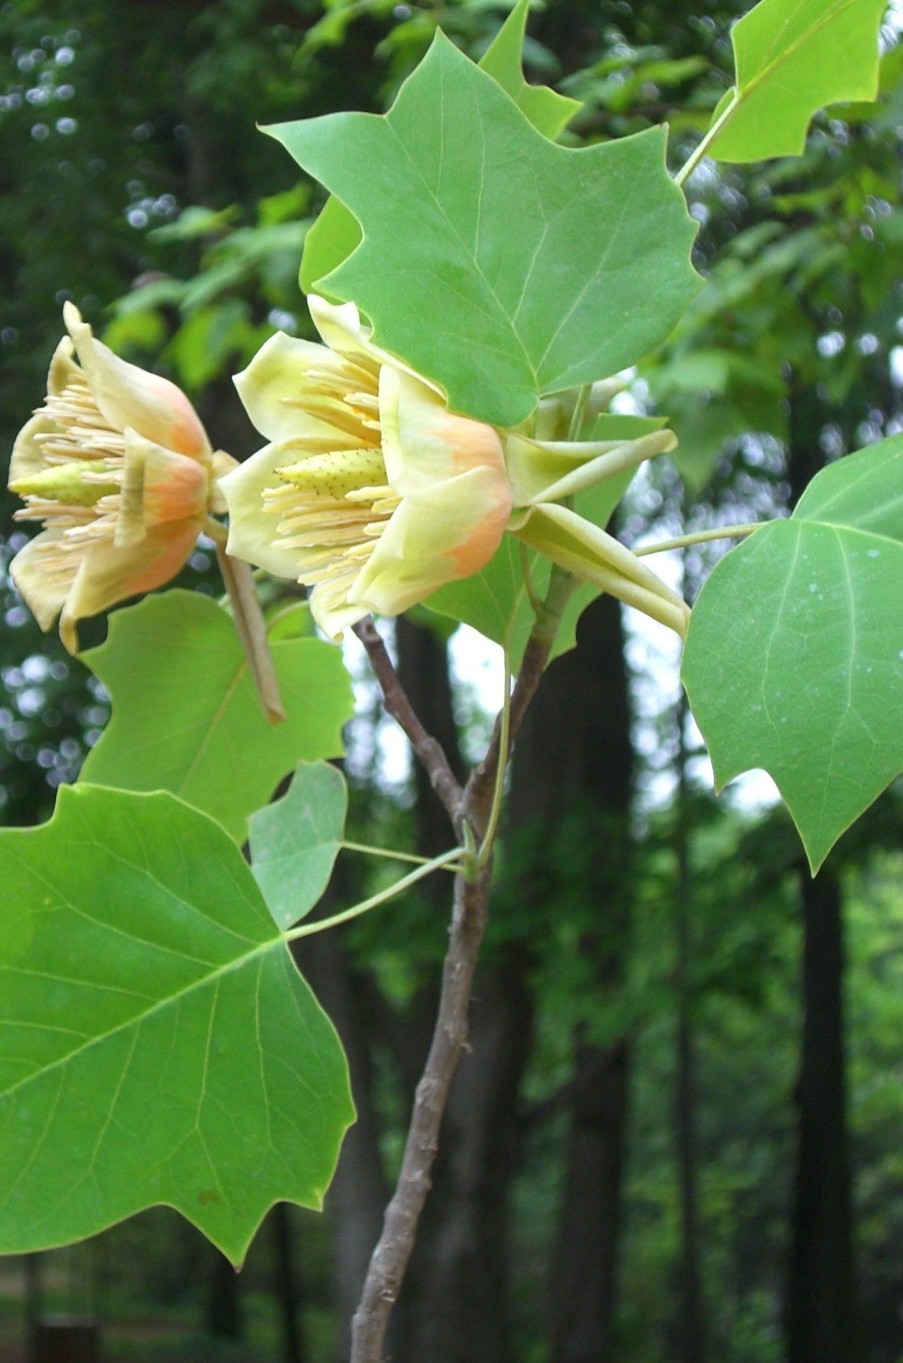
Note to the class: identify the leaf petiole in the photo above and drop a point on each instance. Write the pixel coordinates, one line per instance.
(700, 152)
(391, 855)
(720, 532)
(308, 929)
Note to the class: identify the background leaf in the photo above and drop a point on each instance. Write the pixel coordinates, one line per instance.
(792, 58)
(186, 717)
(158, 1044)
(295, 841)
(794, 657)
(595, 276)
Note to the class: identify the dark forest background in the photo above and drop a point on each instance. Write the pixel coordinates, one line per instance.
(676, 1137)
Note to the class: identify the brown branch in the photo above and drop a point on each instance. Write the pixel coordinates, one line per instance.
(470, 913)
(534, 663)
(396, 702)
(390, 1258)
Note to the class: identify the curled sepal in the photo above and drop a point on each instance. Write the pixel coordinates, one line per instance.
(595, 556)
(548, 471)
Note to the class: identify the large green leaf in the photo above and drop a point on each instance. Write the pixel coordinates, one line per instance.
(295, 841)
(792, 58)
(336, 233)
(794, 657)
(186, 717)
(157, 1044)
(492, 260)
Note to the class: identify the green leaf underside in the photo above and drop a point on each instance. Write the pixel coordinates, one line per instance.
(794, 57)
(549, 266)
(157, 1044)
(295, 841)
(794, 658)
(336, 232)
(186, 716)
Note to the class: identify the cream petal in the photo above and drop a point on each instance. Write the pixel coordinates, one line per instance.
(252, 529)
(28, 456)
(441, 533)
(108, 573)
(63, 369)
(274, 377)
(342, 330)
(334, 616)
(129, 396)
(43, 592)
(424, 443)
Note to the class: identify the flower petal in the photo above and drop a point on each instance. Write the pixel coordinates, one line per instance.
(44, 592)
(252, 529)
(439, 533)
(273, 391)
(129, 396)
(108, 573)
(158, 487)
(424, 443)
(28, 456)
(343, 331)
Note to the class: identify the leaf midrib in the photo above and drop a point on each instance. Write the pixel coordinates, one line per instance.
(138, 1019)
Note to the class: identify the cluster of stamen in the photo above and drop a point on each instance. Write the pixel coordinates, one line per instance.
(334, 500)
(81, 437)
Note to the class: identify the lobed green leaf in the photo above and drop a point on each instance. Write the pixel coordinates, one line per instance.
(295, 841)
(157, 1044)
(792, 58)
(186, 716)
(596, 274)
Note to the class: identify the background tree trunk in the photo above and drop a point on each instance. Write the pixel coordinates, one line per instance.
(821, 1307)
(693, 1327)
(574, 761)
(822, 1316)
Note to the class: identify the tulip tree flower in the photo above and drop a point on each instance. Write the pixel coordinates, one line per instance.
(118, 467)
(374, 494)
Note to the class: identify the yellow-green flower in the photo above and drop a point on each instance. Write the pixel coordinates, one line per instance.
(371, 492)
(374, 494)
(118, 468)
